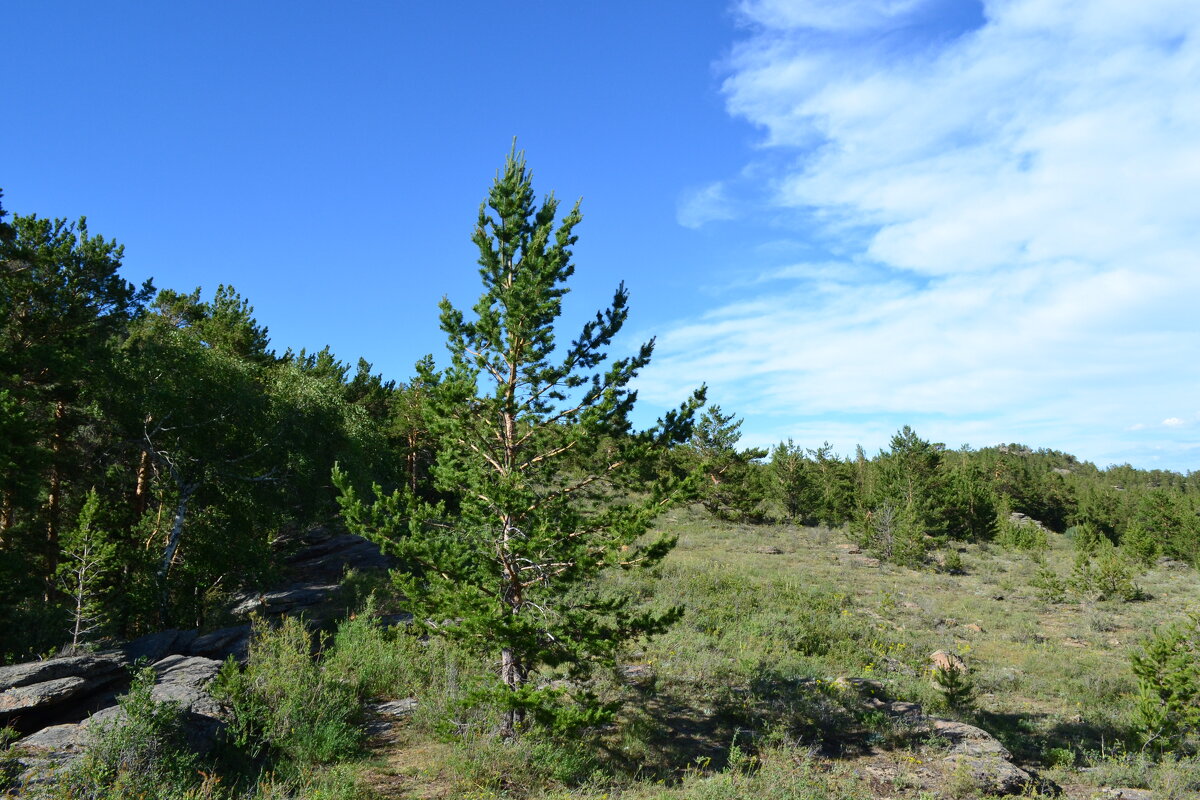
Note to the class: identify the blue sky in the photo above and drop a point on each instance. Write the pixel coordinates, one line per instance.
(844, 215)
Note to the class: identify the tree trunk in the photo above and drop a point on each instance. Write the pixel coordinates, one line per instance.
(7, 516)
(185, 495)
(143, 485)
(54, 499)
(514, 675)
(413, 443)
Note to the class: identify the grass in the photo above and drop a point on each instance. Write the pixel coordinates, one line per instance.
(1052, 681)
(741, 699)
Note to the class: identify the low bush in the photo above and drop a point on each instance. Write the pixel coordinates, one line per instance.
(1021, 534)
(285, 707)
(1168, 674)
(140, 752)
(9, 765)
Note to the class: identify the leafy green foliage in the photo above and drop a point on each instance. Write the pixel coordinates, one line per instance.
(1020, 533)
(10, 766)
(793, 480)
(548, 484)
(285, 706)
(730, 483)
(955, 685)
(141, 752)
(1105, 574)
(893, 532)
(88, 554)
(1168, 674)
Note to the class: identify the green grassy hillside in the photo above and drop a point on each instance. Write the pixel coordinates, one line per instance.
(741, 698)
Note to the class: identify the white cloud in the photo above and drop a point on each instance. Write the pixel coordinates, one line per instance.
(832, 15)
(698, 207)
(1014, 206)
(1172, 422)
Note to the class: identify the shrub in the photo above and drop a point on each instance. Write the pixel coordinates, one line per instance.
(893, 532)
(1168, 674)
(284, 705)
(953, 682)
(1021, 534)
(374, 661)
(9, 765)
(1140, 543)
(1106, 575)
(141, 751)
(1049, 586)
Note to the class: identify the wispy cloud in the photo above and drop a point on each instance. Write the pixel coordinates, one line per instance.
(1009, 213)
(710, 203)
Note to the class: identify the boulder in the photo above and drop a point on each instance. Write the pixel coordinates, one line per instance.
(967, 740)
(326, 561)
(179, 679)
(87, 666)
(56, 743)
(290, 600)
(947, 662)
(157, 646)
(994, 775)
(38, 696)
(233, 641)
(1125, 794)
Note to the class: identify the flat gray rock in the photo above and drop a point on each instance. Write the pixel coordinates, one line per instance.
(1125, 794)
(184, 680)
(57, 741)
(155, 646)
(46, 693)
(967, 740)
(285, 601)
(51, 669)
(233, 641)
(994, 775)
(395, 709)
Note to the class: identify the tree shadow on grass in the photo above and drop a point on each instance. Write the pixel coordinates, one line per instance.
(1030, 742)
(669, 730)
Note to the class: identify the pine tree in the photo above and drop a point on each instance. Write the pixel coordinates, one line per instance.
(731, 489)
(87, 556)
(548, 485)
(794, 480)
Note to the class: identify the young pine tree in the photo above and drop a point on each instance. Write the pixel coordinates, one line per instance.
(547, 483)
(729, 476)
(87, 557)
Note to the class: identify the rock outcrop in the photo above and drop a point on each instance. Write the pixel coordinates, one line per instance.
(182, 680)
(58, 703)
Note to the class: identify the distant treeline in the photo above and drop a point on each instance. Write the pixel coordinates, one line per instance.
(917, 494)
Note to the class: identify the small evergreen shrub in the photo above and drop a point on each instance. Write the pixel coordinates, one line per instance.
(893, 532)
(1049, 585)
(1140, 544)
(955, 686)
(1106, 575)
(1021, 534)
(1168, 675)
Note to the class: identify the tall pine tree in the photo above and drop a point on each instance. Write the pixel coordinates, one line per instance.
(547, 483)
